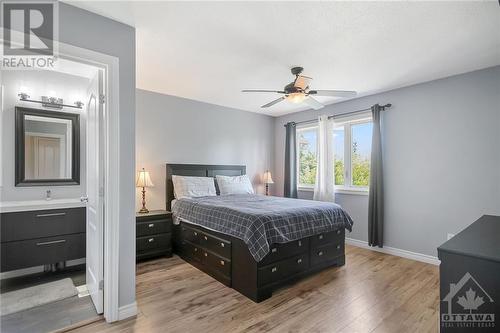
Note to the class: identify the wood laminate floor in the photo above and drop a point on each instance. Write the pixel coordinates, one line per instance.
(373, 292)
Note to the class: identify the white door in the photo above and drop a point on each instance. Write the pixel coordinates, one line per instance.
(95, 185)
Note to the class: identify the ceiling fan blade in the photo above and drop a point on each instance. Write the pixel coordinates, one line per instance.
(302, 81)
(261, 90)
(313, 103)
(333, 93)
(273, 102)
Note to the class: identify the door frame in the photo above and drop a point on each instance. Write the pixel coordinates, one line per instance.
(111, 220)
(111, 238)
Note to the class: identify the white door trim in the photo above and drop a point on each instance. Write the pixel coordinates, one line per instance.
(111, 169)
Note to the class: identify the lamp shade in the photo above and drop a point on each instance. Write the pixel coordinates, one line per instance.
(268, 179)
(143, 179)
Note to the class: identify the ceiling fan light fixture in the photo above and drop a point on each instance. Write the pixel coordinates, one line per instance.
(296, 97)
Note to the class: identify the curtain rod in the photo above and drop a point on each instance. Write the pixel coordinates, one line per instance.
(383, 107)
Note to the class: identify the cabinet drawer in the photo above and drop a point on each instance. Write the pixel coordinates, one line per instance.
(216, 263)
(153, 242)
(216, 245)
(326, 253)
(36, 252)
(281, 251)
(42, 223)
(153, 227)
(283, 269)
(190, 234)
(190, 250)
(328, 237)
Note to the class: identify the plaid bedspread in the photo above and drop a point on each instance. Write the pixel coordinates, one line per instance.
(261, 220)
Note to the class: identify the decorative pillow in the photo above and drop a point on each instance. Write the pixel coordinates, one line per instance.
(234, 185)
(191, 187)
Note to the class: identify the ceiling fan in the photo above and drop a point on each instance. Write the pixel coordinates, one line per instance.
(298, 91)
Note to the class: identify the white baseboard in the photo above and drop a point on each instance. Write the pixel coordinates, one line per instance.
(127, 311)
(395, 252)
(36, 269)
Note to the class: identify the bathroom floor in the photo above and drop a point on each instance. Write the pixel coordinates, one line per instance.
(52, 316)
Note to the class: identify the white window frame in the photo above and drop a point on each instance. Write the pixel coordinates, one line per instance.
(346, 122)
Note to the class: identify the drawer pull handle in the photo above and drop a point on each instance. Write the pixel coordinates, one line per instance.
(50, 214)
(274, 250)
(206, 254)
(299, 261)
(52, 242)
(338, 247)
(320, 237)
(151, 240)
(320, 253)
(222, 245)
(300, 243)
(151, 225)
(338, 232)
(206, 238)
(274, 269)
(222, 262)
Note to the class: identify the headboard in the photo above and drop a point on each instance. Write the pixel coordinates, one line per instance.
(198, 170)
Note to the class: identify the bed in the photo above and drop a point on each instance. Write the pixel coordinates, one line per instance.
(253, 243)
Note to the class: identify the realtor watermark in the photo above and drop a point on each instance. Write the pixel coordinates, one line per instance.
(29, 34)
(468, 305)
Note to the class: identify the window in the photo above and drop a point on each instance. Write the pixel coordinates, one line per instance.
(352, 141)
(306, 155)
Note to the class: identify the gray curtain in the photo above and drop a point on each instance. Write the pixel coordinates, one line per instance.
(376, 196)
(290, 161)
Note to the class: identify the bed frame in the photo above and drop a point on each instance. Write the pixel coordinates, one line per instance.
(228, 259)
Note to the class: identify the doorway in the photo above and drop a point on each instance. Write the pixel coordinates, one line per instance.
(99, 149)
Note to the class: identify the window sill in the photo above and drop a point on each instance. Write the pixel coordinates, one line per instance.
(350, 191)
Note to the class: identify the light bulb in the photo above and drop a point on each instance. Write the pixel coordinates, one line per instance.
(296, 97)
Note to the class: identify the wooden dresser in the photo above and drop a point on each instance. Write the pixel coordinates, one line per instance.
(41, 237)
(470, 278)
(153, 234)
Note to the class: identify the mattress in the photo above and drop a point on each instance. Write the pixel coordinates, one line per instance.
(260, 221)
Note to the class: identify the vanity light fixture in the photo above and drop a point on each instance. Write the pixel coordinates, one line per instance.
(50, 102)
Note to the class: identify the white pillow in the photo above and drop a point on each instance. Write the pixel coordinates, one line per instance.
(191, 187)
(234, 185)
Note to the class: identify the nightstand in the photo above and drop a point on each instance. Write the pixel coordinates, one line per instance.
(153, 234)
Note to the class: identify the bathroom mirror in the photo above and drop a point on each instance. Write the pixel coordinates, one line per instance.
(47, 147)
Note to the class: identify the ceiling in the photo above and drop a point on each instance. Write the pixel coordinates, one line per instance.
(210, 51)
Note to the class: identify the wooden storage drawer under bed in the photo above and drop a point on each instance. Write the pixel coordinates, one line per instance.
(281, 251)
(277, 271)
(326, 253)
(217, 245)
(228, 259)
(327, 238)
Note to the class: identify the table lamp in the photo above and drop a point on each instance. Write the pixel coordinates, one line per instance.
(268, 180)
(143, 180)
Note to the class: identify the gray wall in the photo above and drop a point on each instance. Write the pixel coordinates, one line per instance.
(94, 32)
(441, 158)
(38, 83)
(177, 130)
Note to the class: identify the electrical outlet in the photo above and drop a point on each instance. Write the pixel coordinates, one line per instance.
(450, 236)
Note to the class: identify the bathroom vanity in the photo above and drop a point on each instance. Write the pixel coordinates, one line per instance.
(36, 233)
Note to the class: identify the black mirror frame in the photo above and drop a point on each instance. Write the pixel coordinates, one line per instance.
(21, 180)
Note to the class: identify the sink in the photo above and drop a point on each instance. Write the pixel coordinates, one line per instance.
(20, 206)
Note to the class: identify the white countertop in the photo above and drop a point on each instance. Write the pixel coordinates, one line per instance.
(21, 206)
